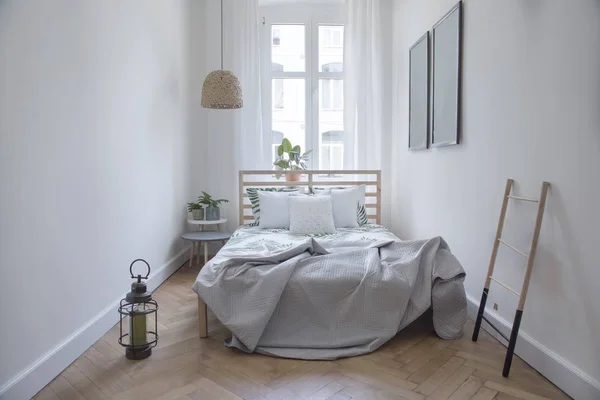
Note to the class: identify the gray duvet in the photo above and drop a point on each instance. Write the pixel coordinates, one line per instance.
(330, 296)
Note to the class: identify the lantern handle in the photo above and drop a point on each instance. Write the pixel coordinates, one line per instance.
(131, 268)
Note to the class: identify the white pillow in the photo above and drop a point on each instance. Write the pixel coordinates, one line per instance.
(346, 203)
(274, 210)
(311, 215)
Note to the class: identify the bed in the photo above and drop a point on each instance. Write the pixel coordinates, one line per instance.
(326, 296)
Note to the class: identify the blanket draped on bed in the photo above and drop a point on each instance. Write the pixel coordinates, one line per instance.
(319, 298)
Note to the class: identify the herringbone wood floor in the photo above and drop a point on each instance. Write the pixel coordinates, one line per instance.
(414, 365)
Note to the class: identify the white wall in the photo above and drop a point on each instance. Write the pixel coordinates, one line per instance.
(94, 161)
(531, 102)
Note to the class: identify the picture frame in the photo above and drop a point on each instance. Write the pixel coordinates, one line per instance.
(446, 78)
(418, 98)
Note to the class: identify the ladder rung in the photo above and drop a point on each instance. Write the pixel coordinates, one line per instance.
(523, 198)
(507, 287)
(495, 328)
(514, 248)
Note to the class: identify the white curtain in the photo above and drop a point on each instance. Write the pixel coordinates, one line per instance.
(242, 56)
(234, 138)
(364, 84)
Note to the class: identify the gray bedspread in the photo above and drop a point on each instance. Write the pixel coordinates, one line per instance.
(330, 296)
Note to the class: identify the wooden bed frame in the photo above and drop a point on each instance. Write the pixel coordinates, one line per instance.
(308, 179)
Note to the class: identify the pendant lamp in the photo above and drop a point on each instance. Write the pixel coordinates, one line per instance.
(221, 89)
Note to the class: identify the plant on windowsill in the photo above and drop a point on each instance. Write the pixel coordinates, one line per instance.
(196, 210)
(213, 211)
(291, 160)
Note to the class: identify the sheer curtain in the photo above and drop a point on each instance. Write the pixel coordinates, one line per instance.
(242, 56)
(234, 138)
(363, 84)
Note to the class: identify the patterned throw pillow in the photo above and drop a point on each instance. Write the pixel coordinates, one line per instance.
(346, 200)
(311, 215)
(254, 200)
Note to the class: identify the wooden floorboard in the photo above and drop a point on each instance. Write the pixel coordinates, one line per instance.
(416, 364)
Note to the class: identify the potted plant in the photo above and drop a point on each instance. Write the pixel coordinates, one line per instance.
(213, 212)
(290, 159)
(196, 210)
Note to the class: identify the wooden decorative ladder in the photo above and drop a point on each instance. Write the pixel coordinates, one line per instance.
(512, 341)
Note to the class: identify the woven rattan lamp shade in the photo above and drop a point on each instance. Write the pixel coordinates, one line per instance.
(222, 90)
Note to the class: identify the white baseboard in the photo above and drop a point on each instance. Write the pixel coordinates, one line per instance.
(33, 378)
(559, 371)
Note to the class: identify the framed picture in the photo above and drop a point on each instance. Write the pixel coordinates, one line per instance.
(418, 97)
(446, 82)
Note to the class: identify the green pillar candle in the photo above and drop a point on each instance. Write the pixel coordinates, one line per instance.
(137, 328)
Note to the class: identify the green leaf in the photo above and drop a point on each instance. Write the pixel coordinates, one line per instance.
(280, 150)
(193, 206)
(361, 214)
(296, 149)
(287, 145)
(283, 164)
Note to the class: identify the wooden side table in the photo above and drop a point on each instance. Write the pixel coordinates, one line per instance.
(198, 240)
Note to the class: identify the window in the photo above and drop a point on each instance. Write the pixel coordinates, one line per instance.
(277, 94)
(333, 67)
(276, 138)
(303, 88)
(332, 97)
(333, 36)
(277, 88)
(332, 150)
(276, 37)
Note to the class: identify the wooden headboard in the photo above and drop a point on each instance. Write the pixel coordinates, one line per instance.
(322, 178)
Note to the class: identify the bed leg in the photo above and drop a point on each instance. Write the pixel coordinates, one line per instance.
(202, 319)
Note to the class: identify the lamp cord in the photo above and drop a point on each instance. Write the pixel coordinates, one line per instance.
(221, 34)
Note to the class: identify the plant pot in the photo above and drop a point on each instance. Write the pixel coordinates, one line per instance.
(213, 213)
(198, 214)
(293, 176)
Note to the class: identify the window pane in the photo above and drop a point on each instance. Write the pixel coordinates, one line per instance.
(331, 94)
(331, 124)
(276, 138)
(277, 93)
(325, 93)
(337, 98)
(289, 120)
(276, 37)
(331, 48)
(331, 151)
(287, 48)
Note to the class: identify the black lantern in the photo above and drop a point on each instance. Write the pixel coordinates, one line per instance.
(140, 314)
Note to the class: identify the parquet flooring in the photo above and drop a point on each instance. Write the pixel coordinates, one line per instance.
(415, 365)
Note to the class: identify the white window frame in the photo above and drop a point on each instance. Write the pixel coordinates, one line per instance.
(311, 15)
